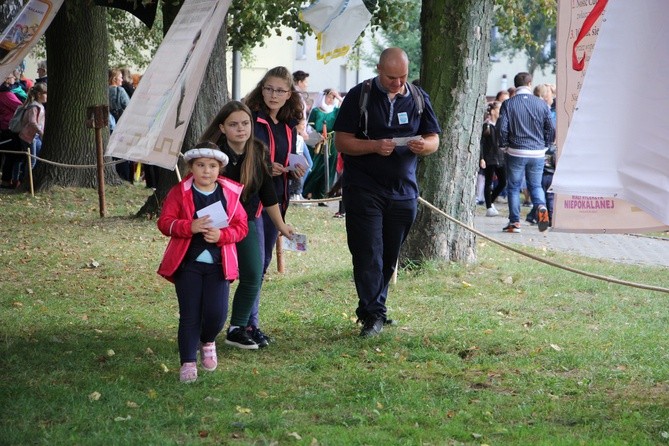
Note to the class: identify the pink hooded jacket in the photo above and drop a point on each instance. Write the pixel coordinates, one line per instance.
(175, 222)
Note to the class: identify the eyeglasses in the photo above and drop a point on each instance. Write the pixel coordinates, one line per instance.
(271, 91)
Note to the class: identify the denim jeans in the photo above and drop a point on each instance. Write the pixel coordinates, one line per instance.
(517, 168)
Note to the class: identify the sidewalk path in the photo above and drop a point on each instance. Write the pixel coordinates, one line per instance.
(624, 248)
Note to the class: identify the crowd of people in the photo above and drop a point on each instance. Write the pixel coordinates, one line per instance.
(276, 145)
(22, 120)
(518, 153)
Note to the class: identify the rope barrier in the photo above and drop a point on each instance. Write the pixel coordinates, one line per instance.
(542, 260)
(53, 163)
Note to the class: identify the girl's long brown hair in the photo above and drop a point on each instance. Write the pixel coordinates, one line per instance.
(291, 110)
(254, 163)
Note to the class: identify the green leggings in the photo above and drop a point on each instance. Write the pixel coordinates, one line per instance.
(250, 277)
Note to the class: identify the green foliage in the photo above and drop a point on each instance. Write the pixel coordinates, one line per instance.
(131, 42)
(526, 26)
(507, 351)
(402, 31)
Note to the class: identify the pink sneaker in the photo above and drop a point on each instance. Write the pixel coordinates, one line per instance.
(188, 372)
(208, 356)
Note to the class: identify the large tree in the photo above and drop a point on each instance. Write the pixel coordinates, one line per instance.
(76, 42)
(455, 44)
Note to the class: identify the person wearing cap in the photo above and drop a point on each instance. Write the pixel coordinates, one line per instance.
(201, 257)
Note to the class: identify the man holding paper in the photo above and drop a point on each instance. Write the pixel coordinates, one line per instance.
(380, 148)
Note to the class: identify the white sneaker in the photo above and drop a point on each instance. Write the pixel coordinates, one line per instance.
(491, 212)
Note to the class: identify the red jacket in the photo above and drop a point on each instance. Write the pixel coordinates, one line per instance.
(176, 218)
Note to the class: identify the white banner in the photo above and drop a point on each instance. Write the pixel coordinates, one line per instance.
(24, 31)
(604, 119)
(152, 128)
(337, 24)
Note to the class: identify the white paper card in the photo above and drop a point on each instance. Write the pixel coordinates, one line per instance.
(405, 140)
(215, 211)
(298, 243)
(294, 159)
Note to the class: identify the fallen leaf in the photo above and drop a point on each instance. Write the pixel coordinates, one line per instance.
(110, 352)
(295, 435)
(17, 304)
(29, 291)
(466, 284)
(556, 347)
(132, 404)
(508, 280)
(476, 436)
(94, 396)
(241, 409)
(122, 418)
(148, 351)
(164, 367)
(152, 394)
(204, 434)
(379, 405)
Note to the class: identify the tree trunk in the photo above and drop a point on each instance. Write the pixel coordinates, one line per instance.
(455, 44)
(214, 90)
(76, 44)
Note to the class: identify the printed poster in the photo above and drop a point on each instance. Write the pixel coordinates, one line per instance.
(24, 31)
(578, 211)
(153, 126)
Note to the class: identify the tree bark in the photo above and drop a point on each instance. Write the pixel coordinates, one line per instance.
(455, 44)
(76, 44)
(214, 90)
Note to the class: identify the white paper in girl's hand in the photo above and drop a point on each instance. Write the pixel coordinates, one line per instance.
(295, 159)
(215, 211)
(298, 243)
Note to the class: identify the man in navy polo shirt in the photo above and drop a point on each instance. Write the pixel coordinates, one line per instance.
(379, 186)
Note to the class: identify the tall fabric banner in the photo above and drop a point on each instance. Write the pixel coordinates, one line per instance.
(152, 128)
(24, 31)
(337, 24)
(613, 161)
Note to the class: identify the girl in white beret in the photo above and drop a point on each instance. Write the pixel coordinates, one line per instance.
(204, 219)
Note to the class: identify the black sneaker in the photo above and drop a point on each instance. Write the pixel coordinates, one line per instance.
(259, 337)
(240, 338)
(372, 327)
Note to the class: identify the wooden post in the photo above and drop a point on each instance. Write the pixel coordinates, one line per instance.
(30, 171)
(279, 254)
(97, 117)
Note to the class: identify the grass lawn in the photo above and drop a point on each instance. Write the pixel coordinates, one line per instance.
(503, 352)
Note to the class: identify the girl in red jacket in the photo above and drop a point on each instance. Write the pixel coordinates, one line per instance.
(201, 257)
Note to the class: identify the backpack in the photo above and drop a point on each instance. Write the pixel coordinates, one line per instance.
(16, 123)
(364, 98)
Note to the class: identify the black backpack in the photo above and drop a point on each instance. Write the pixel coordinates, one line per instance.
(364, 99)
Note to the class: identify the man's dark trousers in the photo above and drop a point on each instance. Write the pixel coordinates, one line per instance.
(376, 227)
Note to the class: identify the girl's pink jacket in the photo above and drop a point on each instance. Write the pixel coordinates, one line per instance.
(176, 218)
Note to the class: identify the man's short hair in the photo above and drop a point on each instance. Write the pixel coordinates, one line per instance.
(299, 76)
(522, 79)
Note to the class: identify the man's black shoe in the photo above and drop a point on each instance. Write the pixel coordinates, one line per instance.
(372, 327)
(391, 322)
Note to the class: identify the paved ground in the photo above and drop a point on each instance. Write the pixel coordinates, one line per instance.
(625, 248)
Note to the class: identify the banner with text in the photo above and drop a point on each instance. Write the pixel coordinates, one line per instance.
(24, 31)
(594, 144)
(153, 126)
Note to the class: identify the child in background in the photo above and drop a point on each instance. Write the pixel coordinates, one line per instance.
(201, 259)
(232, 131)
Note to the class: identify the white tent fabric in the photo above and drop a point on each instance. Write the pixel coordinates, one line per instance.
(618, 140)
